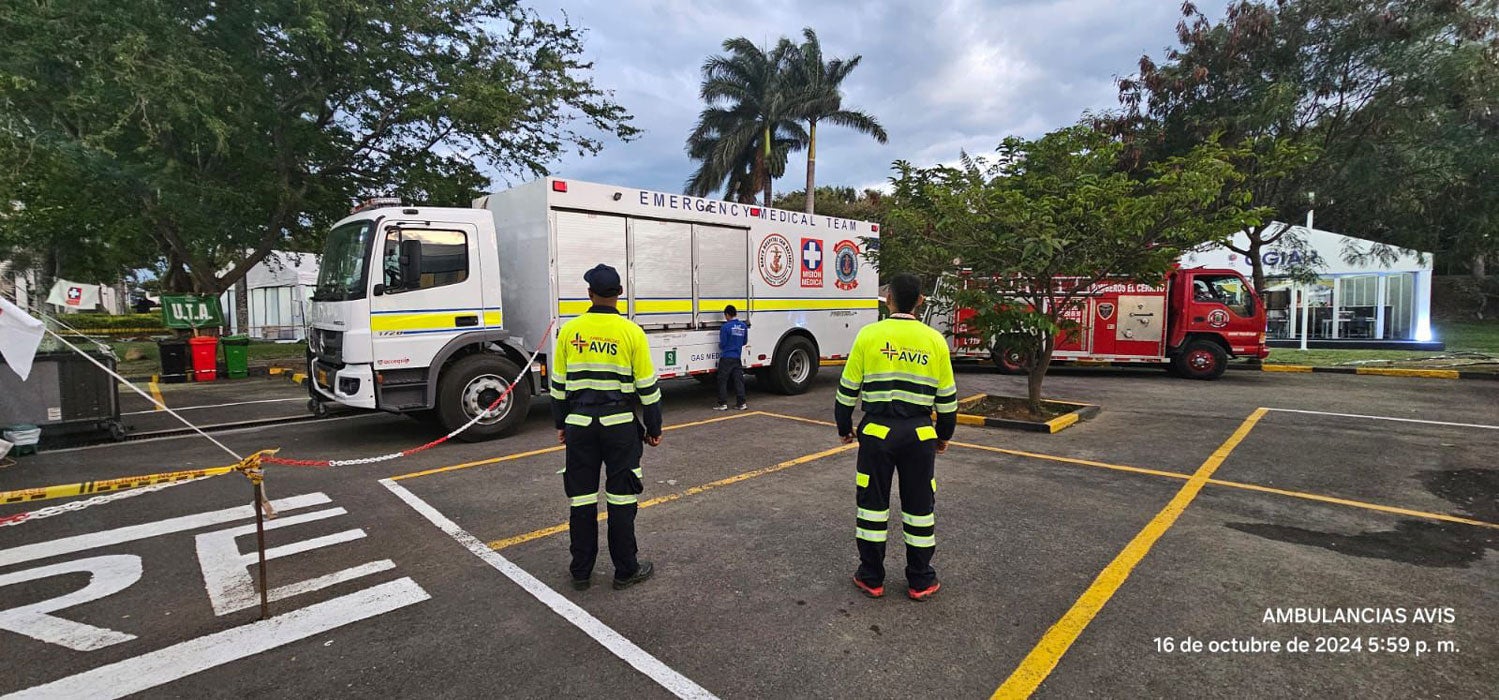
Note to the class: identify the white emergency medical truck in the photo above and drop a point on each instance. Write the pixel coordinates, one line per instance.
(432, 311)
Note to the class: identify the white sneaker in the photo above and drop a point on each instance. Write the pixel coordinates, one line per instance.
(721, 407)
(742, 407)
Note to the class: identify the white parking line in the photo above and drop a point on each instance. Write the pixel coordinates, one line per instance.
(131, 533)
(626, 650)
(180, 409)
(1390, 418)
(162, 666)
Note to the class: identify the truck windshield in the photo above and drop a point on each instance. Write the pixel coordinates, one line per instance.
(345, 261)
(1228, 290)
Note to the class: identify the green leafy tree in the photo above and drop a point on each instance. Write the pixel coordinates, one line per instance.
(1308, 91)
(823, 79)
(202, 134)
(1044, 220)
(749, 126)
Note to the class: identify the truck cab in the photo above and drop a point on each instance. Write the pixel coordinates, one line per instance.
(1214, 314)
(406, 290)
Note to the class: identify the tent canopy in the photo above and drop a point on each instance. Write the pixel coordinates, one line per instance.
(283, 269)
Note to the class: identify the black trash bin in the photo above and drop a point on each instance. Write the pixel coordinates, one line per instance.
(173, 360)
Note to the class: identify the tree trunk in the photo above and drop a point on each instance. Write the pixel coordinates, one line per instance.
(811, 163)
(1037, 375)
(1479, 266)
(242, 307)
(765, 156)
(1257, 264)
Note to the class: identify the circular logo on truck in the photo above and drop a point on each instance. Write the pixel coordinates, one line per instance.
(846, 264)
(1217, 318)
(775, 259)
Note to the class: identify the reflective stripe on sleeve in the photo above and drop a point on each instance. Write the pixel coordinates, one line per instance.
(847, 400)
(653, 397)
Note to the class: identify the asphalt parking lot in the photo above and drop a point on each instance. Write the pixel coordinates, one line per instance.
(1089, 562)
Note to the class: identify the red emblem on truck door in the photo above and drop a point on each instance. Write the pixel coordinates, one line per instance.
(1106, 311)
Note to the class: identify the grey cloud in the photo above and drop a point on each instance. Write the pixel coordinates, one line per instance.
(942, 76)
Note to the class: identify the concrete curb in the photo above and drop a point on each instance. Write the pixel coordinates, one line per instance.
(1375, 371)
(1081, 413)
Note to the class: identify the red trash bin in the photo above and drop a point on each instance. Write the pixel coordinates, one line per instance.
(205, 352)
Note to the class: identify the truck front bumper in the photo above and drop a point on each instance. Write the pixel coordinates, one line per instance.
(350, 385)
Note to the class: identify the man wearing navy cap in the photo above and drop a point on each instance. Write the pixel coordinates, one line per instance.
(601, 367)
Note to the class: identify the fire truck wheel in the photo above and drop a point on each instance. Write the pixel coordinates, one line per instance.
(794, 367)
(1008, 360)
(1201, 359)
(470, 385)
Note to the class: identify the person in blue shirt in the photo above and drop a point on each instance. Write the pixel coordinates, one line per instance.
(731, 339)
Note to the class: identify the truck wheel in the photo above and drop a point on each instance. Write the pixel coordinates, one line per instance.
(1009, 360)
(470, 385)
(1200, 359)
(794, 367)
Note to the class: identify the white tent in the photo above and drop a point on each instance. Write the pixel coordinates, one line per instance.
(1359, 296)
(279, 289)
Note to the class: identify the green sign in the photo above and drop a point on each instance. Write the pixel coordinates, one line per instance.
(190, 311)
(671, 357)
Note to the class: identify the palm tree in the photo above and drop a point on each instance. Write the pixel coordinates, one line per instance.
(750, 125)
(822, 81)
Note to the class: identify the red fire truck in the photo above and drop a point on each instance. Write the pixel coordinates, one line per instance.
(1193, 322)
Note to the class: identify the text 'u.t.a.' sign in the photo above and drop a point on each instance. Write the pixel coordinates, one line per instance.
(190, 311)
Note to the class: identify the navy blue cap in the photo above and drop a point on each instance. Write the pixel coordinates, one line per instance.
(603, 281)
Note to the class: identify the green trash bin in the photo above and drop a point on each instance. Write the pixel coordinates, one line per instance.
(236, 355)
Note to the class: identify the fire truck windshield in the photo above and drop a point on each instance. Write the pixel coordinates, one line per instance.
(345, 262)
(1228, 290)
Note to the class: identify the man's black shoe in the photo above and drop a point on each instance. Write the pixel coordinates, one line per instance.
(642, 573)
(582, 584)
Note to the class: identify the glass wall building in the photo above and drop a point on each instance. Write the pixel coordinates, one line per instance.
(1357, 296)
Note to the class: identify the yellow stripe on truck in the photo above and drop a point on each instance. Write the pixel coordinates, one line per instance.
(812, 304)
(663, 306)
(429, 320)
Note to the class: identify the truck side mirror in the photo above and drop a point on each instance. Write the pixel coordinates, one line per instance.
(411, 263)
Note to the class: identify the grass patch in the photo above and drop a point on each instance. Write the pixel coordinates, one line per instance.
(1460, 337)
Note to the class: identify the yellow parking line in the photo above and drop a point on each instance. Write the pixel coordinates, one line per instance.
(1183, 477)
(1038, 664)
(1072, 460)
(1354, 504)
(604, 515)
(556, 448)
(161, 403)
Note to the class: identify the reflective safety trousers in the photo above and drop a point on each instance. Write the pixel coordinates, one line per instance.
(907, 448)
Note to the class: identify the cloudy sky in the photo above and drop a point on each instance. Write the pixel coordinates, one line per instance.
(941, 75)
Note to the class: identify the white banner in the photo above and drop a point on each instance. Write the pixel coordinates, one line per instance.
(74, 295)
(19, 336)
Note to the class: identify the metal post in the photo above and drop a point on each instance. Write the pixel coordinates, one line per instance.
(1306, 294)
(265, 603)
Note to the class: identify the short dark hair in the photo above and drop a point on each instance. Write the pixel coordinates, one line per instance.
(730, 311)
(906, 288)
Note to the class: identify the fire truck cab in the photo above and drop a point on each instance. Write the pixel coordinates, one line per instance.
(1193, 322)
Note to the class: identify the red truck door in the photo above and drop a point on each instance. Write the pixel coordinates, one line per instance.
(1105, 313)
